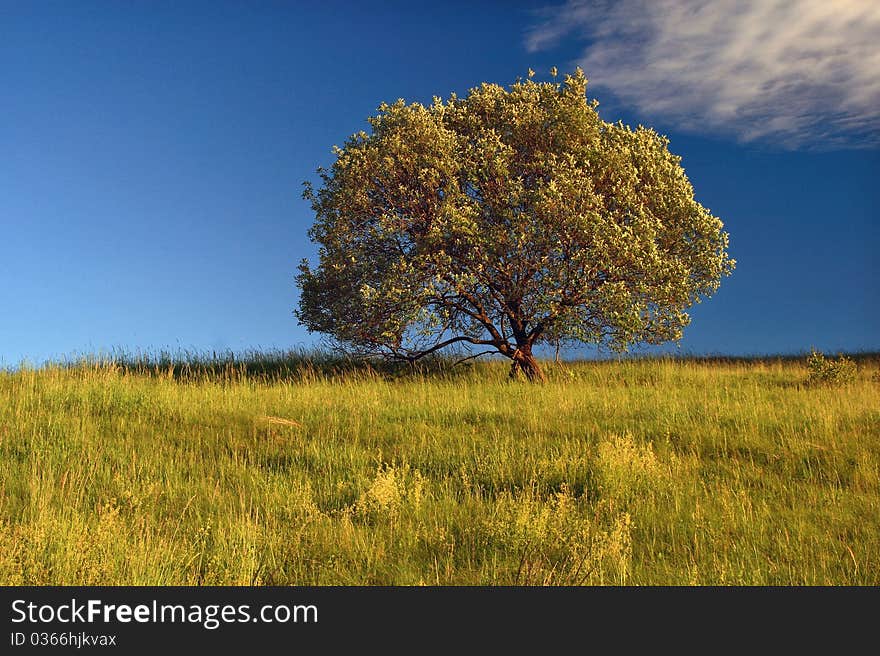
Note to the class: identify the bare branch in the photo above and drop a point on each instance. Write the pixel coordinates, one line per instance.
(412, 356)
(472, 357)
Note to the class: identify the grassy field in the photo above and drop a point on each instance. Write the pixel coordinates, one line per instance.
(289, 472)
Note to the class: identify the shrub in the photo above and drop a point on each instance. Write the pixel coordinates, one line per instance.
(827, 371)
(393, 488)
(560, 540)
(625, 468)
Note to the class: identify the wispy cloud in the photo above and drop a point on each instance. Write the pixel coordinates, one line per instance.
(799, 73)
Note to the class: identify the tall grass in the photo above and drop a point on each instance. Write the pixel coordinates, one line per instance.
(308, 469)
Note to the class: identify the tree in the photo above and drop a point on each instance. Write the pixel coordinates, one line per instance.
(503, 220)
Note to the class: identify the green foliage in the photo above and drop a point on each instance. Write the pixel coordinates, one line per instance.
(505, 219)
(828, 371)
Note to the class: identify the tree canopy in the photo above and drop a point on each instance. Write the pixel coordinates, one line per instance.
(502, 220)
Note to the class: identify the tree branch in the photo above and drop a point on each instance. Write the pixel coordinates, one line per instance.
(417, 355)
(471, 357)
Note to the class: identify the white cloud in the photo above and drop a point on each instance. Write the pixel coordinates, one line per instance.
(800, 73)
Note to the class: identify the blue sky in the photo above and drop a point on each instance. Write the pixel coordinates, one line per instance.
(154, 154)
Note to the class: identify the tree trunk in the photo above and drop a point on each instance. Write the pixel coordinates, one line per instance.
(525, 362)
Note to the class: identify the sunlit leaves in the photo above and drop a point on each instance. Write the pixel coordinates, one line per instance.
(507, 217)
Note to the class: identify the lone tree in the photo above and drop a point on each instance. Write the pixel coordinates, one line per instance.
(506, 219)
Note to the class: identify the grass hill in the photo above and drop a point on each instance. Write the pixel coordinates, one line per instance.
(300, 469)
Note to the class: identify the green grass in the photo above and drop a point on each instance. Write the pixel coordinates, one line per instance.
(292, 470)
